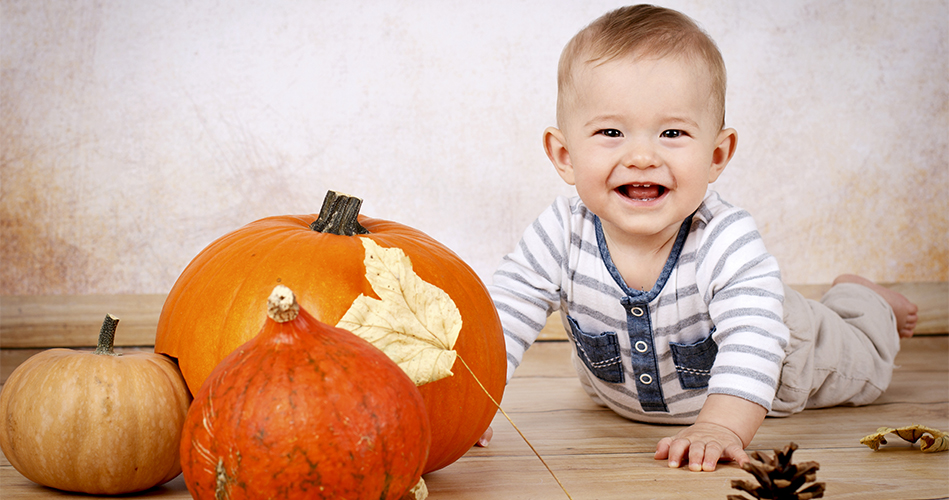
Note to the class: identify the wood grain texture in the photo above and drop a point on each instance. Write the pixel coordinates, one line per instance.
(599, 455)
(42, 321)
(74, 320)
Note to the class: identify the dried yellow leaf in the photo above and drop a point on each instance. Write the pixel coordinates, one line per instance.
(418, 492)
(414, 322)
(931, 440)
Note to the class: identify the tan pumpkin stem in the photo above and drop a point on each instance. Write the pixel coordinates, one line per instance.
(107, 336)
(282, 305)
(339, 215)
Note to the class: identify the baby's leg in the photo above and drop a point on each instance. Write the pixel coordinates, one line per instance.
(904, 310)
(841, 350)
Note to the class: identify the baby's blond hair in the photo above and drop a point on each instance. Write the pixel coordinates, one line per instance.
(643, 31)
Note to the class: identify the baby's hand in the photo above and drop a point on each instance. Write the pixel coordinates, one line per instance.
(702, 445)
(485, 438)
(723, 428)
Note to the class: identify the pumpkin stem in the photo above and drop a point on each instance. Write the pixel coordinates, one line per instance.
(282, 305)
(107, 336)
(339, 215)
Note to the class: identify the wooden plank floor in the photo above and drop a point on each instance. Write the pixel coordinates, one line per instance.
(43, 321)
(595, 453)
(598, 455)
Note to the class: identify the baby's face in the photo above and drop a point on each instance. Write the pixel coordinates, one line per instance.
(642, 142)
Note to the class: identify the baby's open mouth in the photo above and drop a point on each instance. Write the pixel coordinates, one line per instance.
(642, 192)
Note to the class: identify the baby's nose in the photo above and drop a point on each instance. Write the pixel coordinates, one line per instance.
(640, 153)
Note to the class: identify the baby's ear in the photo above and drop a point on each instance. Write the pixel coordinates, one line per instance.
(724, 150)
(556, 147)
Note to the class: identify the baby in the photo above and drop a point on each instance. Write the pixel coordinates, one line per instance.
(676, 309)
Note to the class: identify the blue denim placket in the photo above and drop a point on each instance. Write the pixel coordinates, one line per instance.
(643, 361)
(643, 354)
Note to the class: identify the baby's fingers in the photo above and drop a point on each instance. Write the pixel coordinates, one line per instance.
(485, 438)
(737, 454)
(662, 448)
(676, 450)
(704, 456)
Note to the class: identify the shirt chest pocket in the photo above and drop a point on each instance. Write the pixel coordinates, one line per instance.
(599, 352)
(694, 362)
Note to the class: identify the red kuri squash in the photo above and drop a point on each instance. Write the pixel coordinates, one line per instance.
(212, 308)
(304, 411)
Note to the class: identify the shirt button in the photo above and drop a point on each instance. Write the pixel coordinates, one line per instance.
(645, 378)
(636, 311)
(642, 346)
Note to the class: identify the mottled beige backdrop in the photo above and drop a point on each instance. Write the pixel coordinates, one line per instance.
(135, 133)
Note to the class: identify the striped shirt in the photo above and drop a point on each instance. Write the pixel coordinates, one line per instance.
(711, 325)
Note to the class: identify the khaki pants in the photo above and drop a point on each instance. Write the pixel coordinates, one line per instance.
(841, 350)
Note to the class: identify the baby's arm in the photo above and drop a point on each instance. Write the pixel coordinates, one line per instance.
(526, 286)
(723, 429)
(743, 284)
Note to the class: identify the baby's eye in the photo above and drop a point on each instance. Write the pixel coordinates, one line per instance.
(672, 134)
(610, 132)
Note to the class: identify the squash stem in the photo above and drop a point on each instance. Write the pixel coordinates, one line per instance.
(282, 305)
(339, 215)
(107, 336)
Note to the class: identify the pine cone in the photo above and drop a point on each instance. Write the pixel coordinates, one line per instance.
(778, 478)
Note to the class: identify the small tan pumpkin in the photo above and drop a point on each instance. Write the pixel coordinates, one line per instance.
(95, 422)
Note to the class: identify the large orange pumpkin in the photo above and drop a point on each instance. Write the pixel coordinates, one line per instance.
(304, 410)
(214, 305)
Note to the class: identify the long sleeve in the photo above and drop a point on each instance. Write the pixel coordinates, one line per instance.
(742, 286)
(526, 286)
